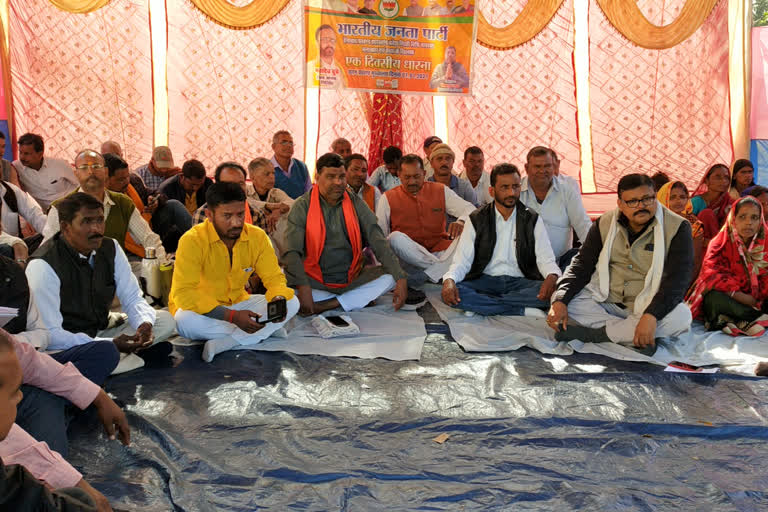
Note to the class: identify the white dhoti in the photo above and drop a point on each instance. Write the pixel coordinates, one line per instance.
(199, 327)
(411, 253)
(360, 296)
(620, 323)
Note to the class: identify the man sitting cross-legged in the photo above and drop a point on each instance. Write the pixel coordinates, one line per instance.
(213, 265)
(74, 278)
(503, 253)
(627, 283)
(328, 227)
(413, 216)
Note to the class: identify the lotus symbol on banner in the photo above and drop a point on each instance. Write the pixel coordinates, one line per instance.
(389, 9)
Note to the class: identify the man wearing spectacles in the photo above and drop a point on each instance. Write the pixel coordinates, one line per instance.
(291, 174)
(120, 213)
(627, 283)
(45, 179)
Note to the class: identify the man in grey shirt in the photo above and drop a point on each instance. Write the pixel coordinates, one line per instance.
(328, 228)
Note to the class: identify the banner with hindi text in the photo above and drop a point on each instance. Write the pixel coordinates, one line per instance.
(392, 46)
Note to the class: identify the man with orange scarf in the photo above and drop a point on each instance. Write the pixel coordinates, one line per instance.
(167, 217)
(327, 230)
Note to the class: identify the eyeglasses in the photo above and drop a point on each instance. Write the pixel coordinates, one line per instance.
(286, 143)
(634, 203)
(94, 167)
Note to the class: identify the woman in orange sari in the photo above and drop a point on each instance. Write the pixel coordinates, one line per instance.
(674, 195)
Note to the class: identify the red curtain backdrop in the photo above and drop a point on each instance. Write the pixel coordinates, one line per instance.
(659, 110)
(79, 80)
(386, 127)
(522, 97)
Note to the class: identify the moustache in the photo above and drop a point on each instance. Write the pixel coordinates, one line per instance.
(639, 212)
(95, 237)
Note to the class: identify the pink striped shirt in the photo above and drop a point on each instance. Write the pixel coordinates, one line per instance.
(42, 371)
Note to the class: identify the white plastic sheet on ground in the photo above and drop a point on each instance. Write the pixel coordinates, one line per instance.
(503, 333)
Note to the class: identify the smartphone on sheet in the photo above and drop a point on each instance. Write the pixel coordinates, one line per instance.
(337, 321)
(276, 310)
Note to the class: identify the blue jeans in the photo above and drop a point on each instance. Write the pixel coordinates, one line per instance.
(46, 416)
(95, 360)
(499, 295)
(170, 222)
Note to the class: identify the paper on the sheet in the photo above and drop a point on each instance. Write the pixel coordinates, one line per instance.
(675, 369)
(397, 336)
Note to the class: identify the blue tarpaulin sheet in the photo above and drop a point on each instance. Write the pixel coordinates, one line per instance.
(526, 431)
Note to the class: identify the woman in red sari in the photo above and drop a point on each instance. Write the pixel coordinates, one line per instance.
(711, 200)
(732, 288)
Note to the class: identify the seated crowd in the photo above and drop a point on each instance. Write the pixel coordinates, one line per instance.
(503, 242)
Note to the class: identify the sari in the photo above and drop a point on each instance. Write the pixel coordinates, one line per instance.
(663, 196)
(731, 265)
(720, 206)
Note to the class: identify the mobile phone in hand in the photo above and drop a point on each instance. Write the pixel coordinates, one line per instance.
(276, 310)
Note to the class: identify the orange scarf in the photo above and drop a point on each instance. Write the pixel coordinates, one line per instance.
(130, 244)
(248, 218)
(314, 238)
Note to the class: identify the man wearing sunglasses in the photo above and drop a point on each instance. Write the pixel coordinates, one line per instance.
(627, 283)
(120, 213)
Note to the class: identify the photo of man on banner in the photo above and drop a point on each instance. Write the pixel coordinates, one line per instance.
(323, 71)
(449, 75)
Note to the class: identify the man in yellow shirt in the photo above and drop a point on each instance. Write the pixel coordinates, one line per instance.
(213, 263)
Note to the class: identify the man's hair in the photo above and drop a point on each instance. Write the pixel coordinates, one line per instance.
(554, 156)
(472, 150)
(32, 139)
(278, 134)
(659, 180)
(328, 160)
(223, 193)
(2, 135)
(632, 181)
(745, 201)
(448, 48)
(431, 140)
(758, 190)
(321, 28)
(392, 154)
(412, 159)
(228, 165)
(70, 205)
(503, 169)
(353, 157)
(538, 151)
(114, 163)
(193, 169)
(340, 140)
(259, 162)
